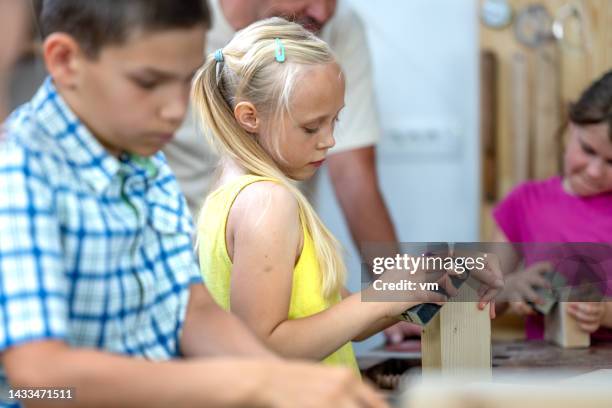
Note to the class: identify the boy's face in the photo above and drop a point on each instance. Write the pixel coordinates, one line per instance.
(588, 160)
(134, 96)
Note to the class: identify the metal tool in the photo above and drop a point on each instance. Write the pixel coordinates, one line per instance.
(533, 26)
(572, 12)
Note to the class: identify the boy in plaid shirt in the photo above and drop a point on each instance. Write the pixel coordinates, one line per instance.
(96, 259)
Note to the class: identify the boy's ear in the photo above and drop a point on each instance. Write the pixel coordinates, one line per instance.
(247, 116)
(62, 54)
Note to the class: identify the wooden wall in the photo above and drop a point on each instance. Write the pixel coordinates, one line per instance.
(555, 76)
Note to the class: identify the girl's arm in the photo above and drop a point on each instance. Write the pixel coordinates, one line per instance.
(375, 327)
(509, 259)
(230, 336)
(264, 240)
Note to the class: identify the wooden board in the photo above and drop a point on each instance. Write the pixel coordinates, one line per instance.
(458, 339)
(563, 330)
(517, 357)
(521, 129)
(488, 110)
(547, 119)
(510, 358)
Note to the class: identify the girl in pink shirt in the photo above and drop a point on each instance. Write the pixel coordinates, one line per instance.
(574, 207)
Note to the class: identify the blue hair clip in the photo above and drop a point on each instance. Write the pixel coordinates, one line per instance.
(279, 54)
(219, 55)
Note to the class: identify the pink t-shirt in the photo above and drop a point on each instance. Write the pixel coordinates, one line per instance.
(542, 212)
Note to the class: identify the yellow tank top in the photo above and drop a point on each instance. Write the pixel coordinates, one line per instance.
(216, 266)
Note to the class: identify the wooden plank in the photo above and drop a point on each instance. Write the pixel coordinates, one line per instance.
(608, 37)
(520, 117)
(545, 156)
(488, 123)
(577, 50)
(563, 330)
(457, 341)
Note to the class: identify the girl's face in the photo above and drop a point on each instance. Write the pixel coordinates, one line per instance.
(304, 136)
(588, 160)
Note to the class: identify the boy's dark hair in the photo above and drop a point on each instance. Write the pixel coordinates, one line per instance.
(96, 23)
(595, 104)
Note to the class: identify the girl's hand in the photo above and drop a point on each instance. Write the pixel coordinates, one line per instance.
(394, 303)
(395, 309)
(589, 315)
(491, 282)
(521, 286)
(521, 308)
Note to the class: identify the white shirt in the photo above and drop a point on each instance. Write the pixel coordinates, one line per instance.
(194, 162)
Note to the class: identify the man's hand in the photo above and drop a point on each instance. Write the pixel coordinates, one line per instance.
(402, 331)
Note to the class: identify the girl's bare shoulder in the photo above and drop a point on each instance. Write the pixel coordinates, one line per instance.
(265, 204)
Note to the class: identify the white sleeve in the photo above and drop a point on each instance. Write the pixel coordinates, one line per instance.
(359, 122)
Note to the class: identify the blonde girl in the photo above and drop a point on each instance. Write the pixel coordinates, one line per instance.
(269, 101)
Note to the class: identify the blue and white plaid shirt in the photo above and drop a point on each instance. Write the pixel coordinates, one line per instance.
(94, 250)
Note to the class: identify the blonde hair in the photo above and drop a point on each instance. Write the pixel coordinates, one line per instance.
(249, 72)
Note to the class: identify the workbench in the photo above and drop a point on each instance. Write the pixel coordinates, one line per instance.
(385, 367)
